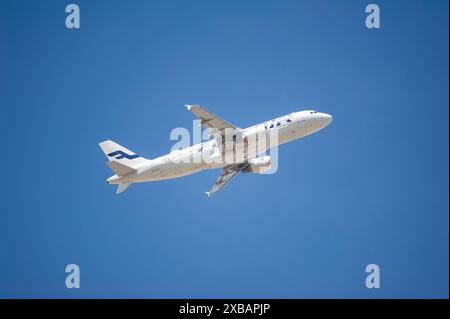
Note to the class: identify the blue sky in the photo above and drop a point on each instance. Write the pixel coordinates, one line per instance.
(370, 188)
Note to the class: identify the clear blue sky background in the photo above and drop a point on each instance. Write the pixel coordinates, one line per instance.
(370, 188)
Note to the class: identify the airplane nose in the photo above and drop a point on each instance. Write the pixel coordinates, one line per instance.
(327, 118)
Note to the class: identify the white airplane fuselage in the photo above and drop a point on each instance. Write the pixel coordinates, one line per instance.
(179, 163)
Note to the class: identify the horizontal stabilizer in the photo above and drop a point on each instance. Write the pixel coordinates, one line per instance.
(120, 169)
(122, 187)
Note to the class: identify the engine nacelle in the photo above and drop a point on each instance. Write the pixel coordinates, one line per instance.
(259, 165)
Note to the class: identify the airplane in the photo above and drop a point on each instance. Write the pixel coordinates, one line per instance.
(130, 167)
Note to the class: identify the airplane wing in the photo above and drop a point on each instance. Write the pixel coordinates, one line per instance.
(210, 120)
(226, 176)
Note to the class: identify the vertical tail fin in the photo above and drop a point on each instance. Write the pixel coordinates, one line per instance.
(120, 154)
(121, 160)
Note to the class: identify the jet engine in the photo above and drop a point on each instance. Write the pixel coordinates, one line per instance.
(258, 165)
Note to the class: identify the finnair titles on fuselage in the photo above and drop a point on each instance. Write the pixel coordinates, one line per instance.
(232, 149)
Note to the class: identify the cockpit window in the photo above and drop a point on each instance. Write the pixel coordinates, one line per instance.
(288, 120)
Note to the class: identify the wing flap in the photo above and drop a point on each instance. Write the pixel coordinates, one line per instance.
(227, 174)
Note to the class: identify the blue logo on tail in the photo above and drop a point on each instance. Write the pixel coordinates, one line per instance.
(122, 154)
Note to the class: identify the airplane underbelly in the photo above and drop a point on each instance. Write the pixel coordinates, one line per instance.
(287, 134)
(174, 170)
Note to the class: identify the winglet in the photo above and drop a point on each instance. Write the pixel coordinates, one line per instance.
(208, 193)
(188, 106)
